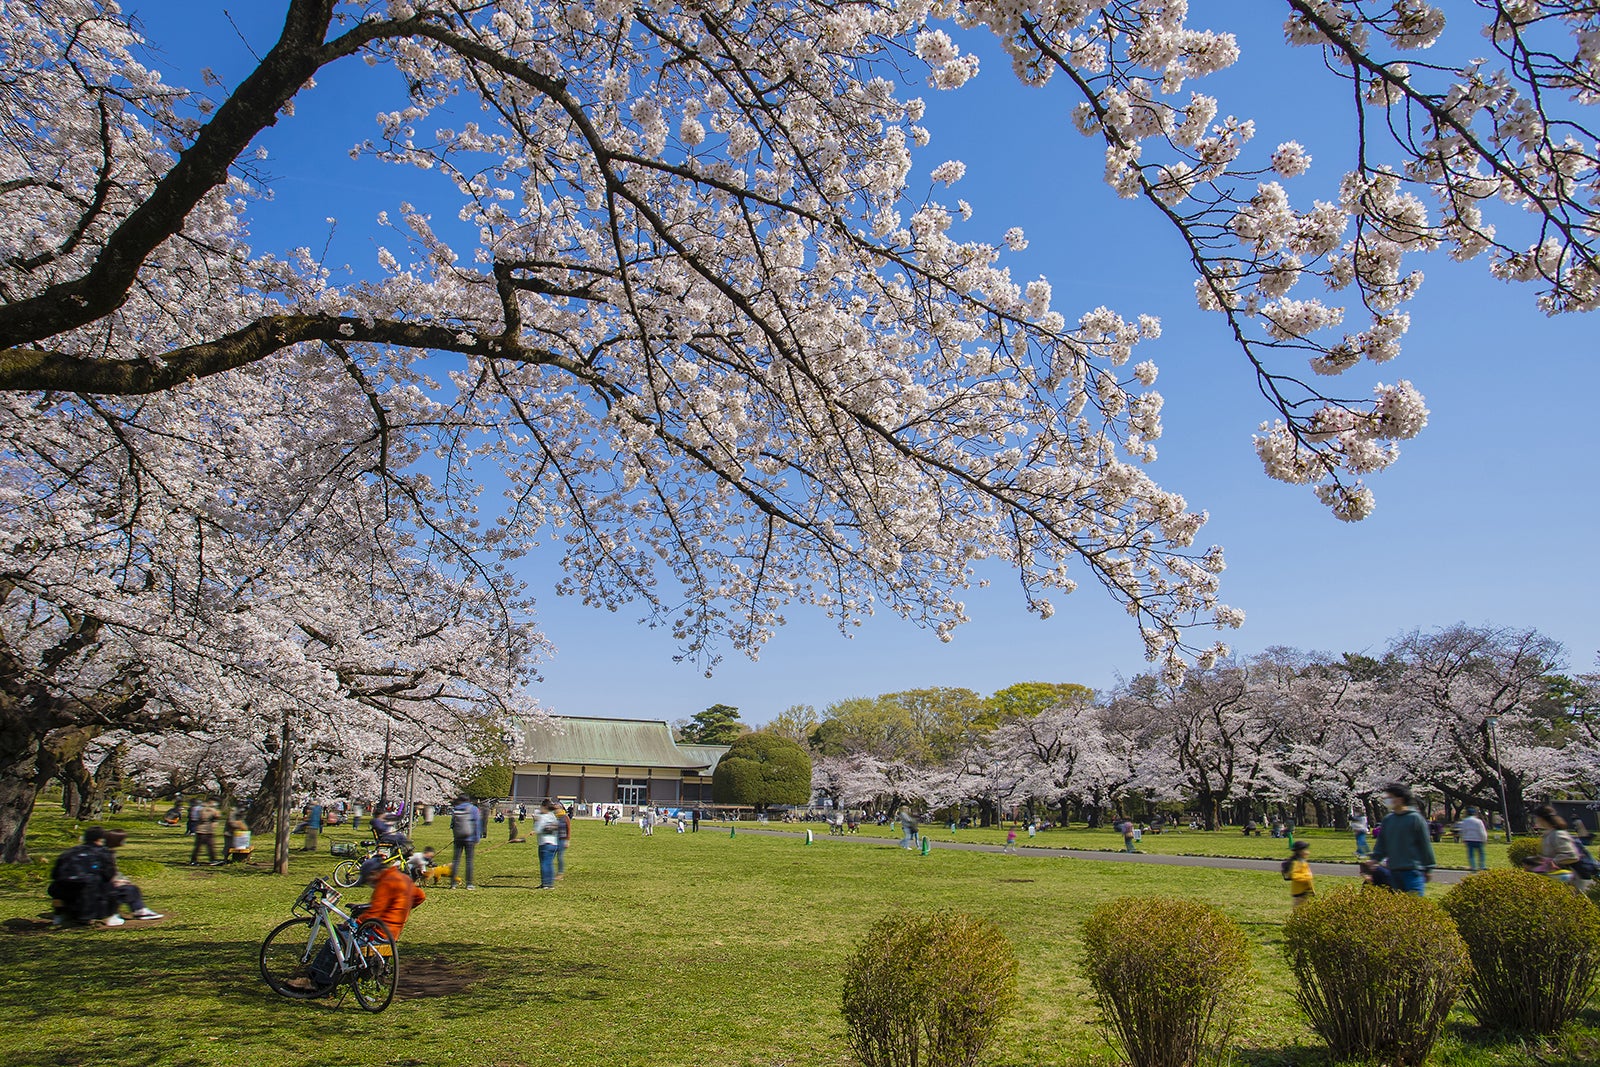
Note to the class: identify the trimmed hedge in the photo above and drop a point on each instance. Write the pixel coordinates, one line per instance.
(928, 990)
(1535, 948)
(1376, 972)
(1170, 977)
(1521, 850)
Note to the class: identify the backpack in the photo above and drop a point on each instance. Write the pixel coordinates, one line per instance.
(1586, 868)
(79, 865)
(1283, 868)
(462, 825)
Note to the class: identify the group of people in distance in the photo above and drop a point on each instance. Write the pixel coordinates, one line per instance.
(1402, 857)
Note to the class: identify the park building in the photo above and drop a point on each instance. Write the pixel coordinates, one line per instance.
(632, 762)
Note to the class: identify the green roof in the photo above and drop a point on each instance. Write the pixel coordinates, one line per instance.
(612, 743)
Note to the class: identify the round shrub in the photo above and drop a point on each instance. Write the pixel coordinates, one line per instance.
(928, 990)
(1169, 975)
(1521, 850)
(1535, 948)
(1376, 971)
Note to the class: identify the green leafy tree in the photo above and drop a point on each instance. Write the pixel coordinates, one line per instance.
(1026, 700)
(717, 725)
(868, 726)
(491, 780)
(798, 723)
(941, 716)
(761, 769)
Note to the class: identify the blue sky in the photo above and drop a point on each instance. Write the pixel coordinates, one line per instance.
(1487, 518)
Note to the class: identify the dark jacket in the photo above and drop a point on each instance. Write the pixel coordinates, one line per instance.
(1404, 842)
(88, 897)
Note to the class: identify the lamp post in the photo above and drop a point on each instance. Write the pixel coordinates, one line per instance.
(1494, 753)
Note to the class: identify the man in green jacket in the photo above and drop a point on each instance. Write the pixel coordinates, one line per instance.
(1403, 842)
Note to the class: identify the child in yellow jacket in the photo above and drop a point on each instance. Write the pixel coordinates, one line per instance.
(1298, 873)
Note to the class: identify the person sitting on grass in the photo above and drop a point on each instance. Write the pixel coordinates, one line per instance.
(78, 881)
(394, 895)
(85, 886)
(120, 889)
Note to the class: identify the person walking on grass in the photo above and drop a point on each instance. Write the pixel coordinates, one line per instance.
(547, 829)
(1126, 826)
(1297, 872)
(313, 825)
(466, 829)
(1475, 835)
(1011, 841)
(1360, 827)
(205, 832)
(1404, 844)
(564, 835)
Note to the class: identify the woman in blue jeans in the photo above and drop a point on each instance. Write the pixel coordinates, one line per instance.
(547, 828)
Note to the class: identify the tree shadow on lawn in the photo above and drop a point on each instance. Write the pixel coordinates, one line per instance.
(1576, 1046)
(154, 1002)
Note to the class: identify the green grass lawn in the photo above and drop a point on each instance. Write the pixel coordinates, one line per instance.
(693, 949)
(1332, 846)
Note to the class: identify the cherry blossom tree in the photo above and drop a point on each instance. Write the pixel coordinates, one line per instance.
(688, 316)
(217, 562)
(1455, 681)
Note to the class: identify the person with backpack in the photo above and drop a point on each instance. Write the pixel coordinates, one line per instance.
(1297, 872)
(1561, 856)
(466, 827)
(1404, 843)
(78, 881)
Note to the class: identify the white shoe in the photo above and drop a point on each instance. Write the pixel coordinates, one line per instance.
(115, 920)
(146, 913)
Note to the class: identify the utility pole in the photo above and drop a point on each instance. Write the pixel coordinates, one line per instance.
(1500, 774)
(383, 783)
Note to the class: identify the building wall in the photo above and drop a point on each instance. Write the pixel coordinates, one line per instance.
(664, 787)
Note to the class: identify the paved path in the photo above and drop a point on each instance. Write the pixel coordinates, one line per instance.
(1444, 877)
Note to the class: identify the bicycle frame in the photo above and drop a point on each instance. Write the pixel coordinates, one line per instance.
(341, 935)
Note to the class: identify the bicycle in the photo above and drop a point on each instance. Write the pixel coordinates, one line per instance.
(347, 872)
(308, 956)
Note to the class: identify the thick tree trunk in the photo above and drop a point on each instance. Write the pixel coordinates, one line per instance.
(261, 814)
(28, 759)
(17, 793)
(285, 783)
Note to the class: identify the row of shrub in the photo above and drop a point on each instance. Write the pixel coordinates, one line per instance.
(1376, 973)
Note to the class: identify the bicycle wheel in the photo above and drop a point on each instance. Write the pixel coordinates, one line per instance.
(347, 874)
(377, 966)
(289, 962)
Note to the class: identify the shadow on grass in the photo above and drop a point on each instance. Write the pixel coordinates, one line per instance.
(1578, 1045)
(160, 1003)
(1464, 1043)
